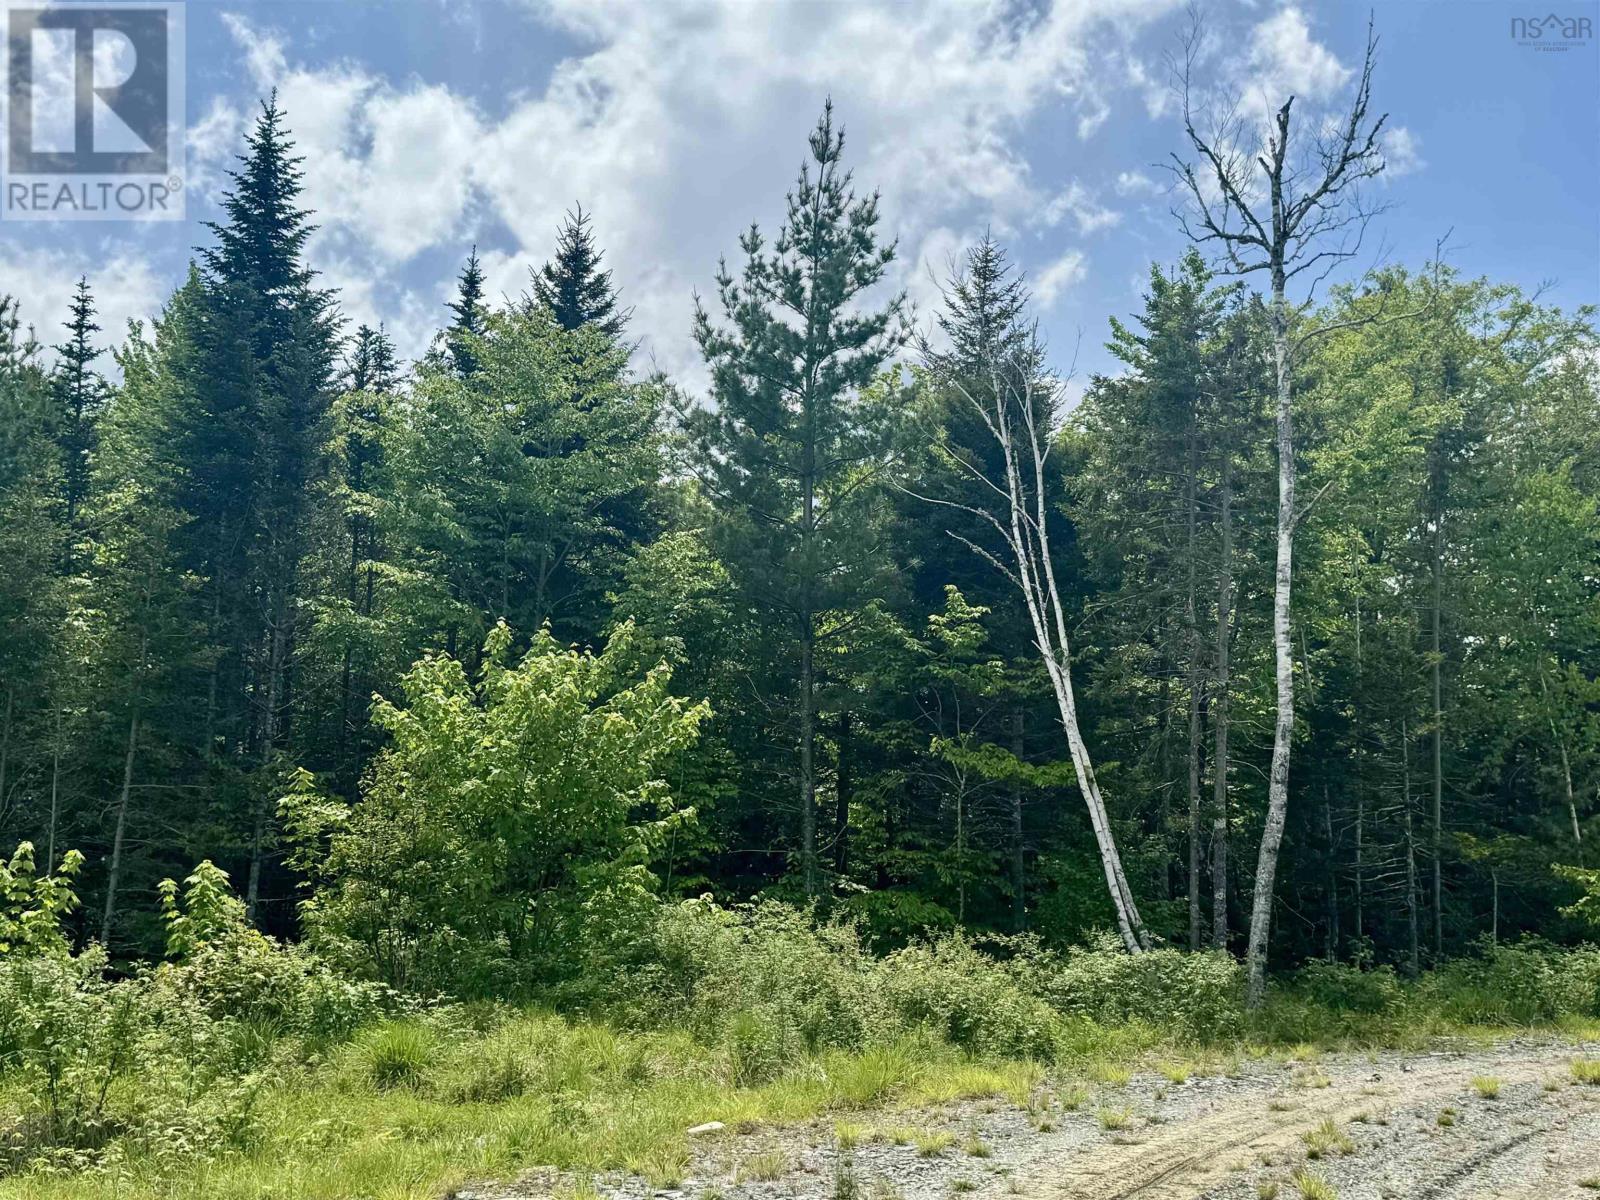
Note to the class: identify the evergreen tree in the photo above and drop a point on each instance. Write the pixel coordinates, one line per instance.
(33, 541)
(791, 448)
(573, 287)
(371, 365)
(81, 394)
(516, 494)
(471, 318)
(258, 385)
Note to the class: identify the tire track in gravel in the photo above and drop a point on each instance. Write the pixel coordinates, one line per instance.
(1215, 1153)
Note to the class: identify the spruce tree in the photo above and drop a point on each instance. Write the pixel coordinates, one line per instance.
(790, 450)
(573, 287)
(32, 544)
(471, 320)
(371, 365)
(262, 380)
(80, 393)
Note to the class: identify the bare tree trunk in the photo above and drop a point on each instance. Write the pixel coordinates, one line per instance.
(1360, 784)
(1566, 767)
(1309, 203)
(1360, 896)
(1494, 917)
(1333, 878)
(808, 782)
(1438, 743)
(1195, 752)
(1572, 800)
(1019, 895)
(1012, 410)
(114, 872)
(1219, 717)
(843, 782)
(1411, 851)
(277, 654)
(55, 799)
(1283, 652)
(5, 744)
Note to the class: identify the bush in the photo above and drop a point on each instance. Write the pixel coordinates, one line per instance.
(1518, 983)
(954, 990)
(499, 813)
(1349, 989)
(231, 971)
(1197, 996)
(762, 981)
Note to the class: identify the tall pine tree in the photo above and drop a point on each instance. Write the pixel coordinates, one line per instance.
(789, 450)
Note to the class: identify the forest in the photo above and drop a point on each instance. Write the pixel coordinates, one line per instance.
(904, 681)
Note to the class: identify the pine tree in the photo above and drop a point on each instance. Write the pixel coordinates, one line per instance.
(985, 320)
(573, 287)
(371, 365)
(261, 382)
(471, 318)
(33, 540)
(790, 450)
(80, 393)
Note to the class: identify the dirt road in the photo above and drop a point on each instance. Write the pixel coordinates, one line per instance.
(1416, 1127)
(1505, 1122)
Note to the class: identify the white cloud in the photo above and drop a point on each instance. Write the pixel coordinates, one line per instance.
(1057, 277)
(1087, 213)
(1137, 183)
(678, 124)
(1402, 151)
(1285, 59)
(43, 279)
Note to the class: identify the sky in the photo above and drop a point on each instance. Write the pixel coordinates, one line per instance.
(431, 126)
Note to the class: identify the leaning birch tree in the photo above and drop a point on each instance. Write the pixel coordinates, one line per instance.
(1284, 200)
(1020, 406)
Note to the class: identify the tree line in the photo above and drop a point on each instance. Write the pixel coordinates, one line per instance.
(969, 655)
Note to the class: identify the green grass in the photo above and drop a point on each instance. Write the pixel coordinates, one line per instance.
(410, 1109)
(1113, 1118)
(1487, 1086)
(404, 1113)
(1176, 1070)
(1326, 1141)
(1312, 1186)
(764, 1167)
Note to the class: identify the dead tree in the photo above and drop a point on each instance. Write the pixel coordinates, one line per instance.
(1020, 405)
(1283, 201)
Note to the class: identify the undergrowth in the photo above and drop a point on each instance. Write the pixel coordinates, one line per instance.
(246, 1068)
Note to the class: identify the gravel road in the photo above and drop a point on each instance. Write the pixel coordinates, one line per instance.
(1371, 1127)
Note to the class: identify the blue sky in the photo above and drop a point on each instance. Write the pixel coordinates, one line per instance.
(429, 126)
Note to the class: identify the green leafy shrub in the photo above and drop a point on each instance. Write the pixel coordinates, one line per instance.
(32, 907)
(229, 970)
(1518, 983)
(1192, 995)
(952, 988)
(500, 815)
(764, 981)
(1347, 989)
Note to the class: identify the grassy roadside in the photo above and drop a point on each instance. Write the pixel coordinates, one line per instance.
(413, 1108)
